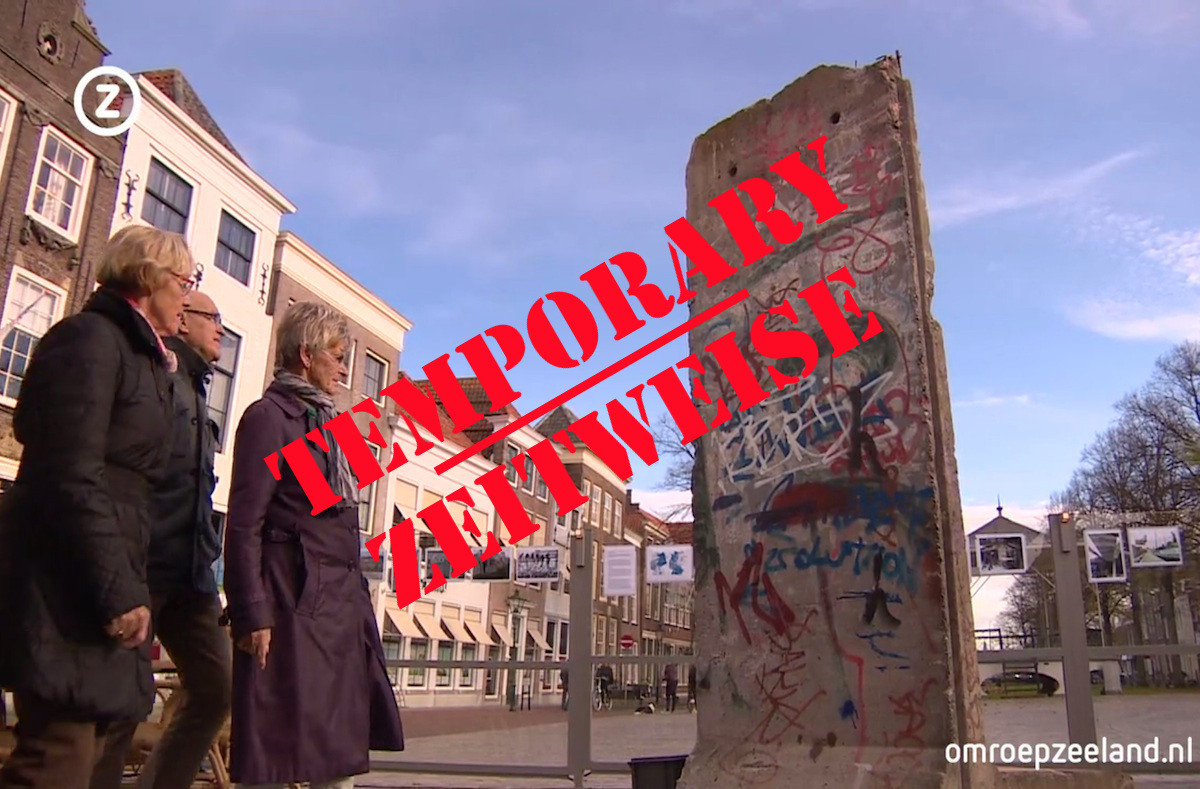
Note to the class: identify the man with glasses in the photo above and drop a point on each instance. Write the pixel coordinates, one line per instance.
(184, 545)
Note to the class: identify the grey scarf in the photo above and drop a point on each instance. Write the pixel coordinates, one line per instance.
(341, 479)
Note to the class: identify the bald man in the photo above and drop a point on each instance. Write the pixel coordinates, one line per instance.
(184, 545)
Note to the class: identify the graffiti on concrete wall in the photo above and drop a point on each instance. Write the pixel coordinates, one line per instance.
(837, 585)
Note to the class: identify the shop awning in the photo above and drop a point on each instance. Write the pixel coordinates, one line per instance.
(430, 625)
(502, 634)
(404, 624)
(537, 637)
(457, 630)
(480, 631)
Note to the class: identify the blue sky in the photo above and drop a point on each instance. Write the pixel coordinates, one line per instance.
(502, 149)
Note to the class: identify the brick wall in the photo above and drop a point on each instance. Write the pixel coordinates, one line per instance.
(43, 87)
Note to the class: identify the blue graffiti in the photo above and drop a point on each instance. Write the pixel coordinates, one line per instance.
(899, 564)
(870, 639)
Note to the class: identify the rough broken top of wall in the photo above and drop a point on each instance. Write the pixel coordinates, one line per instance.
(835, 635)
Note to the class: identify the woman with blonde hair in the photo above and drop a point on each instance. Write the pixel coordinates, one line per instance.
(311, 694)
(93, 415)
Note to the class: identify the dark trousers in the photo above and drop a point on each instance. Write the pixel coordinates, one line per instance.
(672, 694)
(50, 753)
(187, 625)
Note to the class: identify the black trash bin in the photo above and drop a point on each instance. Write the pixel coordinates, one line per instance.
(656, 772)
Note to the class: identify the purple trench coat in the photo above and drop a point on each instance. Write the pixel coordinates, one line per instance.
(324, 698)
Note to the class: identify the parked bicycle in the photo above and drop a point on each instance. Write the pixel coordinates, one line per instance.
(601, 695)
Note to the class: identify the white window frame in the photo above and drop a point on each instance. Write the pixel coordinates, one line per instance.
(372, 492)
(349, 382)
(89, 162)
(6, 127)
(189, 223)
(8, 316)
(225, 443)
(253, 227)
(383, 381)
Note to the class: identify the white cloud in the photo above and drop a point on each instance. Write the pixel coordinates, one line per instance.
(1006, 191)
(1129, 320)
(1157, 300)
(673, 505)
(477, 188)
(1062, 16)
(1087, 18)
(993, 401)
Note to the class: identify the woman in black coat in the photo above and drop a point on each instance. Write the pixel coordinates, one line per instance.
(311, 694)
(93, 416)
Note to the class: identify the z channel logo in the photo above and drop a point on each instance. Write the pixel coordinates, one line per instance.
(108, 93)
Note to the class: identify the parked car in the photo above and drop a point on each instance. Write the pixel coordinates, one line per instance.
(1015, 680)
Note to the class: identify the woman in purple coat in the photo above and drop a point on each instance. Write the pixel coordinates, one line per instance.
(311, 694)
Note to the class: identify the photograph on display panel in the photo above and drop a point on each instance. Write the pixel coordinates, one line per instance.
(495, 568)
(1155, 546)
(669, 564)
(538, 564)
(1105, 555)
(1000, 554)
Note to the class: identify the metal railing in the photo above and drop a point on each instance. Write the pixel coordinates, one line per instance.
(578, 740)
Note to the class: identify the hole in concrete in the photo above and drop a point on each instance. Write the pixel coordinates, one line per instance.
(835, 117)
(732, 170)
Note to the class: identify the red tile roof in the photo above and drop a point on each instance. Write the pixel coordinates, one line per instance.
(176, 87)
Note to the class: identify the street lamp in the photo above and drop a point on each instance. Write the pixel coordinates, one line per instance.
(516, 604)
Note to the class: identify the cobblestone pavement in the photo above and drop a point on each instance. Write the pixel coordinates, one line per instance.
(619, 737)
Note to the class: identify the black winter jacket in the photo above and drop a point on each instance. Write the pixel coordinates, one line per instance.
(184, 542)
(94, 418)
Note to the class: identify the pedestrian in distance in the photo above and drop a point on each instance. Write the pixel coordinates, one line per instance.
(691, 687)
(311, 693)
(671, 675)
(94, 415)
(184, 605)
(564, 687)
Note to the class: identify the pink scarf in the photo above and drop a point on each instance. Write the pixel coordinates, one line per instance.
(169, 358)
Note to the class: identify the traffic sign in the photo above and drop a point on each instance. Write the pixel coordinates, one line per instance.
(626, 641)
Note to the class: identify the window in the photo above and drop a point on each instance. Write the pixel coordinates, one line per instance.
(418, 649)
(510, 454)
(59, 189)
(8, 111)
(351, 353)
(445, 655)
(618, 521)
(220, 391)
(598, 624)
(564, 628)
(612, 635)
(168, 199)
(549, 677)
(31, 307)
(543, 492)
(606, 515)
(366, 498)
(489, 677)
(466, 677)
(527, 483)
(218, 519)
(391, 651)
(587, 505)
(374, 373)
(235, 248)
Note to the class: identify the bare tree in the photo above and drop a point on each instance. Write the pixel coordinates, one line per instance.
(1146, 462)
(679, 459)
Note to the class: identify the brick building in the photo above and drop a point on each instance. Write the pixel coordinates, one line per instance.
(529, 618)
(58, 184)
(300, 273)
(602, 521)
